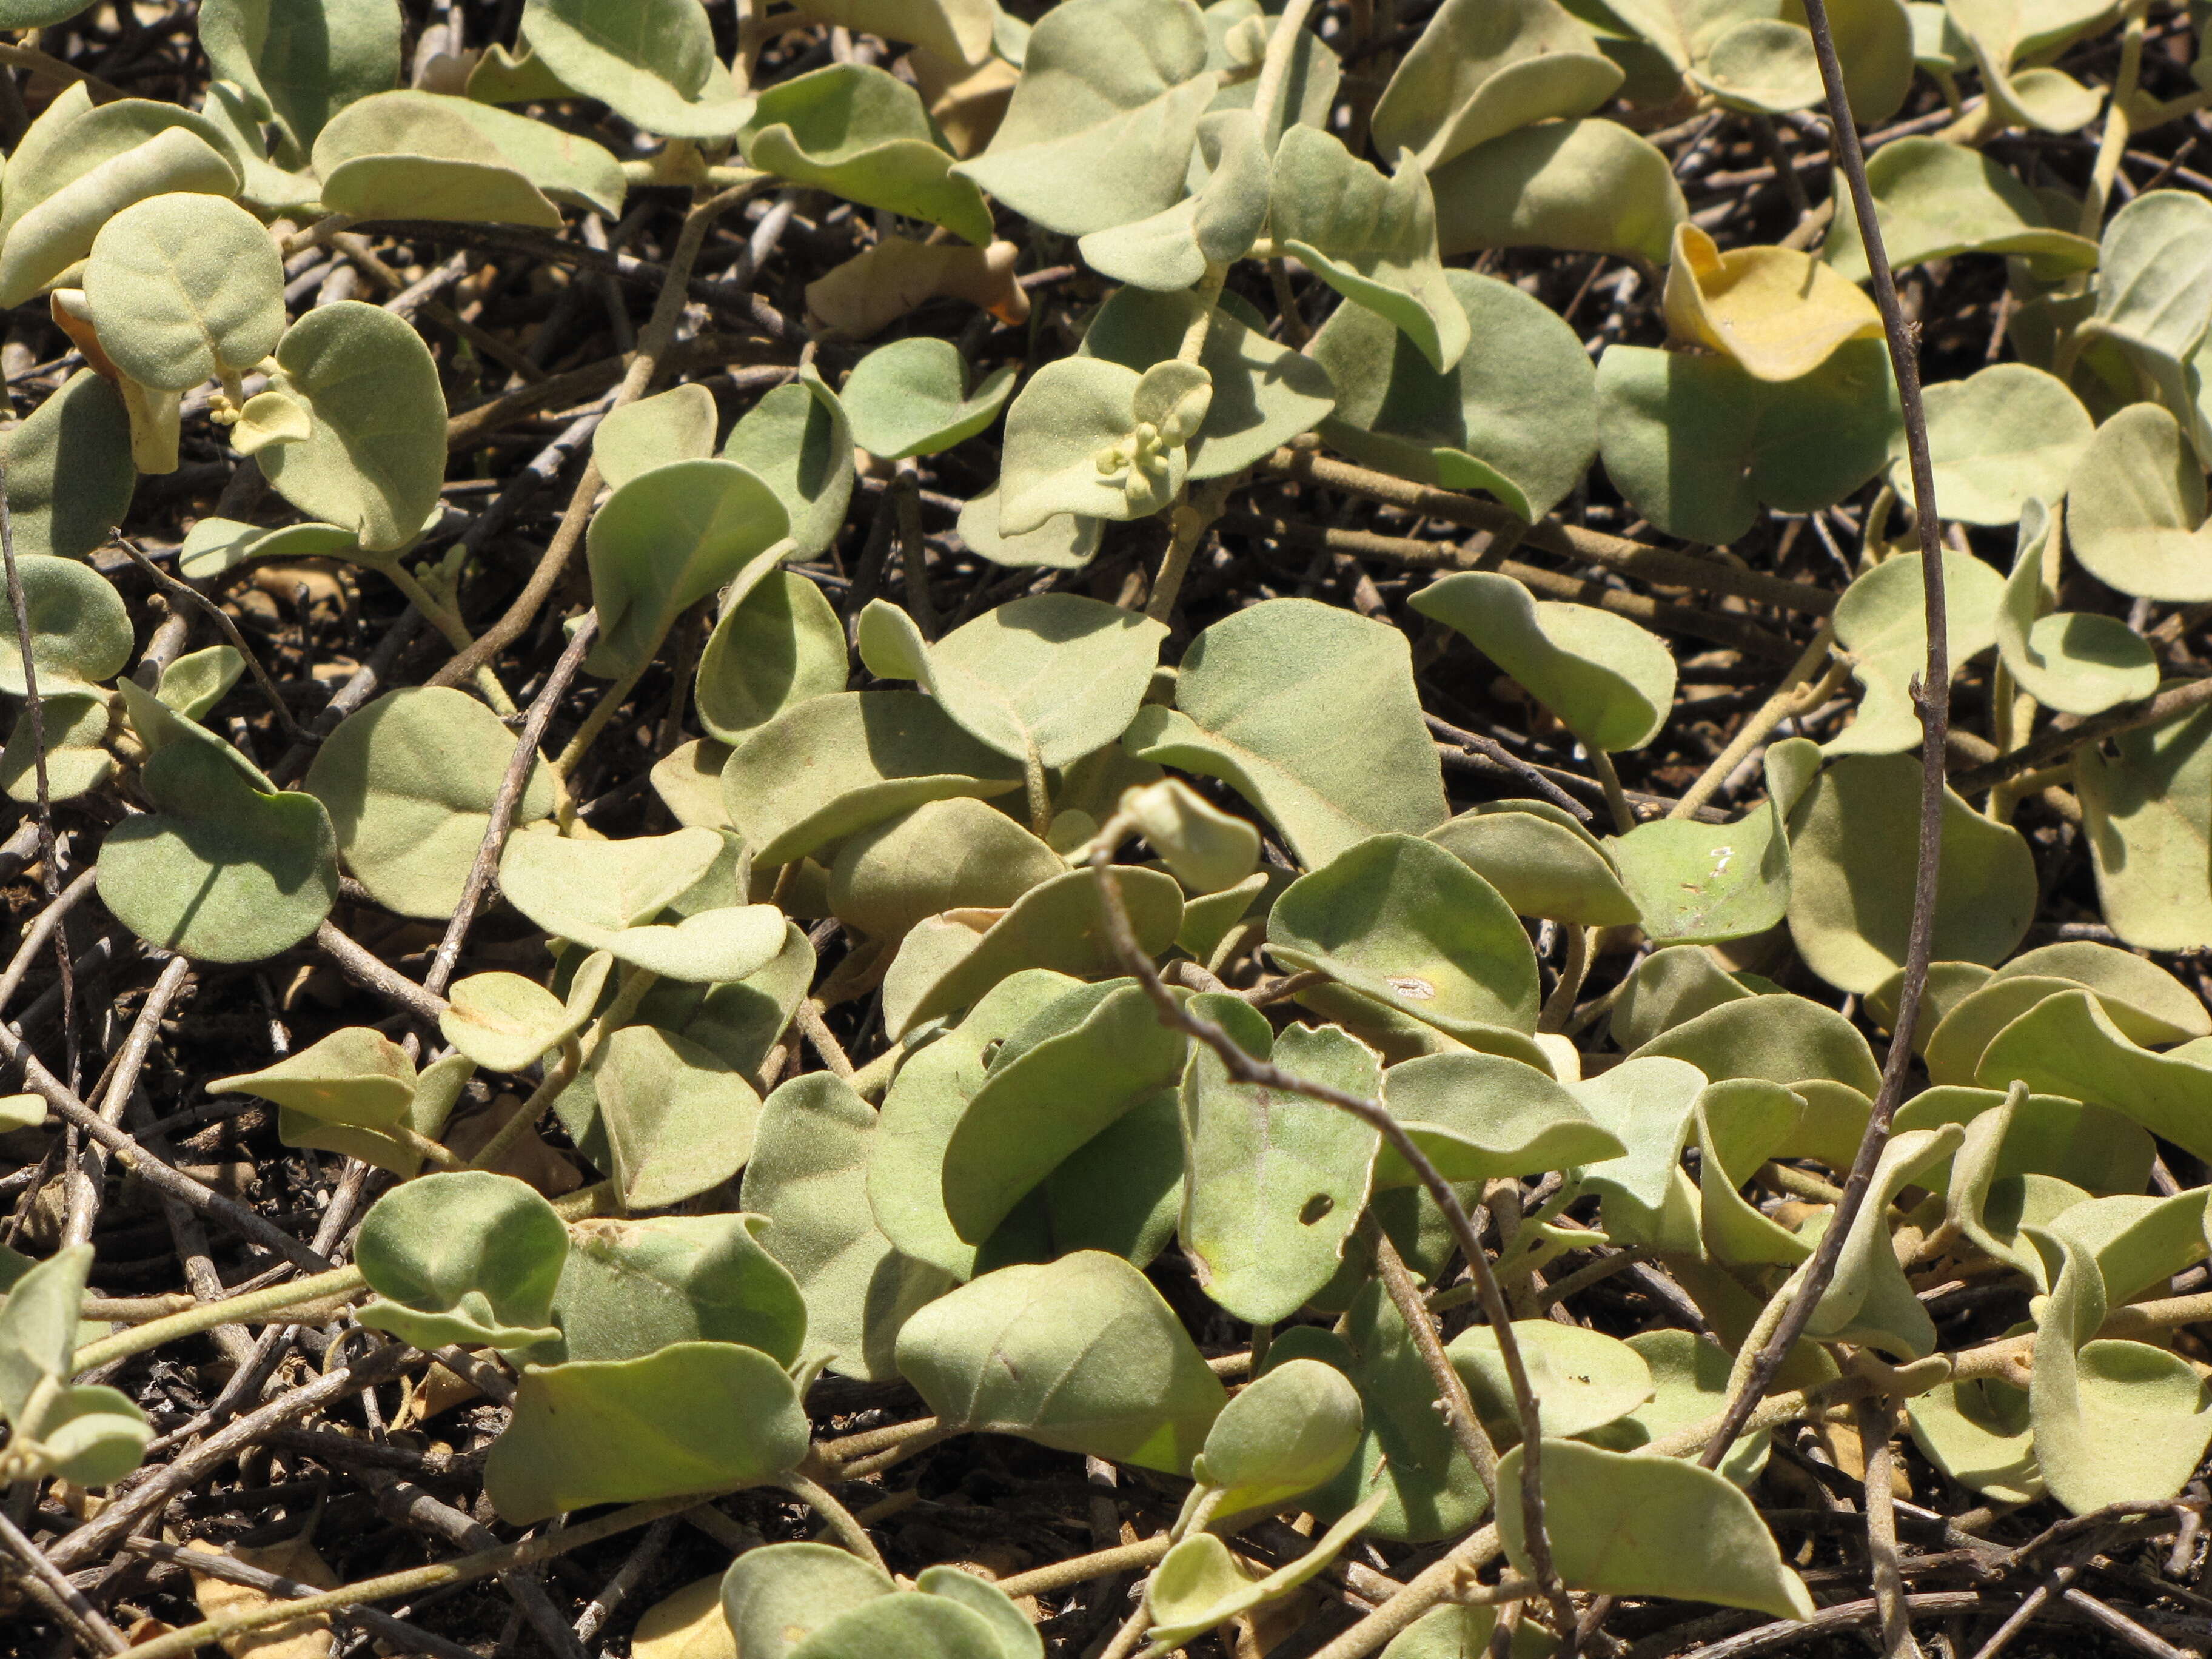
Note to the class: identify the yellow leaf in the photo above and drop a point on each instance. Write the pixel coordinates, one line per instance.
(966, 103)
(1779, 312)
(296, 1639)
(688, 1625)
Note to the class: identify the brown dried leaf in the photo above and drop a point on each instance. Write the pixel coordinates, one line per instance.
(872, 290)
(967, 104)
(529, 1160)
(309, 1638)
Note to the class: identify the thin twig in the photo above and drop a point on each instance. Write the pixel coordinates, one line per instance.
(1933, 698)
(512, 784)
(184, 591)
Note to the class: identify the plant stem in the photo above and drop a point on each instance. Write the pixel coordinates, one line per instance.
(1616, 798)
(850, 1531)
(2119, 115)
(558, 1078)
(1791, 698)
(1933, 697)
(448, 622)
(1192, 517)
(231, 1310)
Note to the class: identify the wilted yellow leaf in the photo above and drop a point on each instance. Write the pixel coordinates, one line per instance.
(868, 292)
(296, 1639)
(1779, 312)
(688, 1625)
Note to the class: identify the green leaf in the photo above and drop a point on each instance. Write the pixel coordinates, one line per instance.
(652, 62)
(669, 1118)
(1610, 682)
(1649, 1106)
(1479, 1116)
(214, 545)
(1669, 987)
(1046, 679)
(777, 642)
(1517, 418)
(95, 165)
(80, 630)
(223, 869)
(1479, 71)
(675, 425)
(2078, 662)
(2066, 1044)
(194, 683)
(830, 765)
(906, 1159)
(1082, 1355)
(957, 31)
(699, 1416)
(1997, 439)
(1206, 849)
(807, 1176)
(1095, 439)
(504, 1022)
(1624, 1525)
(1104, 118)
(2115, 1422)
(1371, 238)
(1405, 922)
(1587, 185)
(1264, 701)
(1741, 1123)
(2151, 307)
(943, 855)
(1689, 1386)
(1848, 914)
(1219, 222)
(1276, 1181)
(377, 455)
(1198, 1584)
(1978, 1433)
(776, 1597)
(911, 397)
(1541, 861)
(2147, 810)
(665, 540)
(88, 1435)
(2147, 1003)
(1696, 883)
(592, 891)
(409, 783)
(76, 727)
(1035, 1111)
(1407, 1454)
(1264, 394)
(2137, 514)
(469, 1257)
(1936, 200)
(739, 1020)
(631, 1288)
(1882, 620)
(429, 155)
(303, 61)
(1869, 1300)
(1063, 542)
(858, 132)
(355, 1076)
(2001, 33)
(1698, 445)
(184, 287)
(1784, 1039)
(1582, 1380)
(1291, 1431)
(70, 472)
(797, 441)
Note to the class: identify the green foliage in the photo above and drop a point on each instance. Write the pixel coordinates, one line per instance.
(862, 1066)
